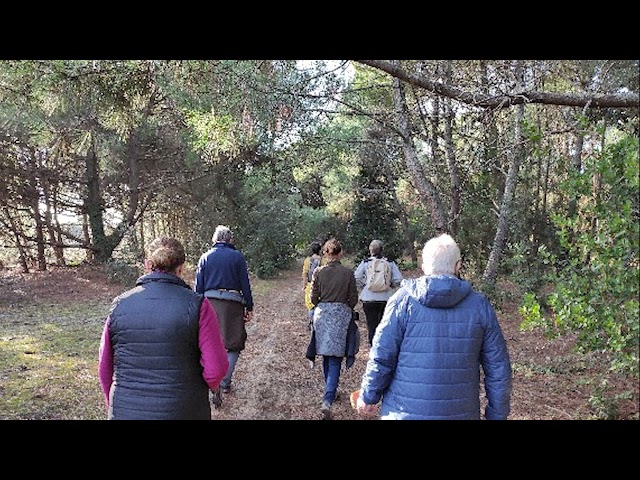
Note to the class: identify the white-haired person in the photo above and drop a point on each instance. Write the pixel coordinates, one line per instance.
(436, 334)
(223, 277)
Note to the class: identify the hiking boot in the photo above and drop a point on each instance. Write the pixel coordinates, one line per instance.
(326, 410)
(215, 398)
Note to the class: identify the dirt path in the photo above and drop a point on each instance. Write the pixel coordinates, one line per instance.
(273, 380)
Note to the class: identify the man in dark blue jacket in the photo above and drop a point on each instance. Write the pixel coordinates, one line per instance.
(223, 277)
(435, 334)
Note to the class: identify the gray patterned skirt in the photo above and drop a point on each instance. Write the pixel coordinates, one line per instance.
(330, 322)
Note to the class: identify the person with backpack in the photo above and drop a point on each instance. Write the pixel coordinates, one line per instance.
(377, 278)
(309, 266)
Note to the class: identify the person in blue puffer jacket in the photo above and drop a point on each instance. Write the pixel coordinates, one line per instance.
(436, 336)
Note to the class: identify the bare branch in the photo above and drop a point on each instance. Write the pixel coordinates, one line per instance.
(619, 100)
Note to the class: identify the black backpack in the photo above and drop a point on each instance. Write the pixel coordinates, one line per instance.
(313, 264)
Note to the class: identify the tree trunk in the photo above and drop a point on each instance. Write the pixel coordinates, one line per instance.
(143, 247)
(454, 178)
(51, 217)
(490, 137)
(93, 207)
(134, 178)
(409, 236)
(17, 234)
(536, 225)
(87, 238)
(576, 165)
(34, 199)
(491, 270)
(425, 188)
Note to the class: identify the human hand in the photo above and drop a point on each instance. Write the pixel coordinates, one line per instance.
(248, 315)
(363, 408)
(357, 403)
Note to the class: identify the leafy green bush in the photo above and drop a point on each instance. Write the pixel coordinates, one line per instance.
(595, 282)
(407, 264)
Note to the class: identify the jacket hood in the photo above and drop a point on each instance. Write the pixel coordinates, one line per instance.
(437, 291)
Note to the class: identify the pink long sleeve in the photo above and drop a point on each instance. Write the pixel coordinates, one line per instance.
(105, 362)
(213, 357)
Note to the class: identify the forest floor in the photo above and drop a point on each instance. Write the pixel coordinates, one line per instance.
(274, 381)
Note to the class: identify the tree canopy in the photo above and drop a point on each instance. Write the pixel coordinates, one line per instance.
(530, 164)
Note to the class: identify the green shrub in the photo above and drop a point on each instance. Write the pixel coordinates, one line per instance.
(595, 282)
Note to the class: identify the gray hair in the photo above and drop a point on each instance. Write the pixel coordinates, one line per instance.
(440, 255)
(222, 234)
(375, 247)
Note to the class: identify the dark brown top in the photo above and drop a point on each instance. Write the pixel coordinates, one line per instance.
(334, 282)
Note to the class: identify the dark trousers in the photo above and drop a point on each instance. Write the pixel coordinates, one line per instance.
(373, 313)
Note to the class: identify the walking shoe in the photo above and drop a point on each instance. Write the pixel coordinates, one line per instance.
(215, 398)
(226, 389)
(326, 410)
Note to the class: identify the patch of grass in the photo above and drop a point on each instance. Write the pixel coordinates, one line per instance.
(260, 287)
(49, 359)
(49, 362)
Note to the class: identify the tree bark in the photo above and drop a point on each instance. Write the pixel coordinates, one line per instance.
(34, 201)
(491, 269)
(89, 257)
(17, 234)
(576, 165)
(402, 216)
(50, 216)
(454, 177)
(94, 209)
(424, 187)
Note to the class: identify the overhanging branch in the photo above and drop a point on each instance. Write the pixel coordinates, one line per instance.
(619, 100)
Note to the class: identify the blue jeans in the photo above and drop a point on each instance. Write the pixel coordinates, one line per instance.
(233, 359)
(331, 368)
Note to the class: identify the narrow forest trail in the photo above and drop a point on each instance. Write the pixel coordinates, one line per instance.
(273, 380)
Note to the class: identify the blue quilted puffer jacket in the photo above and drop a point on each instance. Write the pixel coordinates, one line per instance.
(435, 336)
